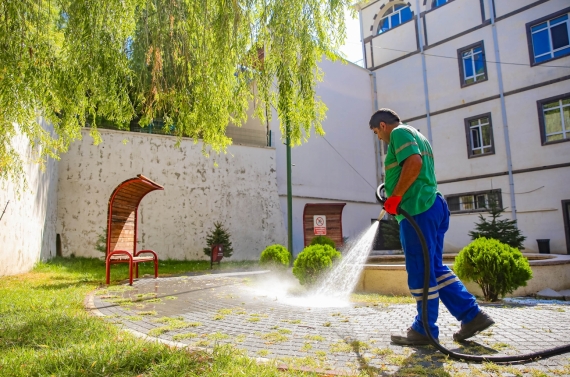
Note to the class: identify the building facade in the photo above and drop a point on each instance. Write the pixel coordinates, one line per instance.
(339, 167)
(488, 82)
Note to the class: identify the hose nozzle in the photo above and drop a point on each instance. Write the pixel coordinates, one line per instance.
(381, 199)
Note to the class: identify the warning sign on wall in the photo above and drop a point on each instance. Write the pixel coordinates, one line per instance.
(320, 225)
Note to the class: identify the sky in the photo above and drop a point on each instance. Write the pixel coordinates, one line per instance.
(352, 47)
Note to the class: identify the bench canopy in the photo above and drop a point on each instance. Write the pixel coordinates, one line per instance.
(122, 216)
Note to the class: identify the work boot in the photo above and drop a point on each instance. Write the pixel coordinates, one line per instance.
(481, 322)
(410, 338)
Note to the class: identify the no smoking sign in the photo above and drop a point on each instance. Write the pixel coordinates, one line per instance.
(320, 225)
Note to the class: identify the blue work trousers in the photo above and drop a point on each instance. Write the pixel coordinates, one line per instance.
(443, 284)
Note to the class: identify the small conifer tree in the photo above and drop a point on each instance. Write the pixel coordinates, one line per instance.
(219, 236)
(504, 230)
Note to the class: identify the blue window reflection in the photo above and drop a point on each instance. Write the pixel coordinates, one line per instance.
(394, 16)
(437, 3)
(551, 39)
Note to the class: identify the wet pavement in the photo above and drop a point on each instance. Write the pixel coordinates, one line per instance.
(246, 310)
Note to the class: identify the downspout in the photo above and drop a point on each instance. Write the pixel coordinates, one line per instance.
(424, 70)
(362, 38)
(377, 145)
(503, 111)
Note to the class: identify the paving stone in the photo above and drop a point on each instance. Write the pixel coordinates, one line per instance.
(527, 327)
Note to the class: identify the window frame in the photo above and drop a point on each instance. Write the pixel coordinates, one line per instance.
(434, 2)
(475, 194)
(541, 122)
(405, 5)
(460, 52)
(467, 121)
(532, 24)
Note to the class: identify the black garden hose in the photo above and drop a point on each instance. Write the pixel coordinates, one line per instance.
(456, 355)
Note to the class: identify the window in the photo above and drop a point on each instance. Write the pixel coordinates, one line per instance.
(437, 3)
(554, 119)
(479, 132)
(549, 38)
(474, 201)
(472, 65)
(394, 16)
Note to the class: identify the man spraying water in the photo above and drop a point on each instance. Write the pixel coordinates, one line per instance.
(411, 184)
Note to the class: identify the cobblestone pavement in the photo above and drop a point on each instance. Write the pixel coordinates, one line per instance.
(229, 308)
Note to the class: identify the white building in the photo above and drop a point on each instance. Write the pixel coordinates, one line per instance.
(496, 128)
(341, 166)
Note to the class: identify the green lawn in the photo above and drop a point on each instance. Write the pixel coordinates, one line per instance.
(45, 330)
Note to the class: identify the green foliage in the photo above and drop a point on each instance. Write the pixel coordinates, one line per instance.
(219, 235)
(195, 65)
(505, 231)
(313, 261)
(323, 240)
(46, 330)
(496, 267)
(275, 257)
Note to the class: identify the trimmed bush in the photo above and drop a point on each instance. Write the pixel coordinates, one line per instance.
(496, 267)
(275, 257)
(313, 261)
(323, 240)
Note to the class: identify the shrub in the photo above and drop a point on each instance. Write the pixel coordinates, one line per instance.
(275, 257)
(219, 236)
(505, 231)
(323, 240)
(313, 261)
(496, 267)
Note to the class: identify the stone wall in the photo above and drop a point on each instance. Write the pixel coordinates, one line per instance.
(27, 229)
(240, 192)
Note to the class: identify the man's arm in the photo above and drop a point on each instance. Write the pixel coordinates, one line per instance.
(410, 171)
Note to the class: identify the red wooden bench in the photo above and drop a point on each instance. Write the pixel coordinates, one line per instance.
(122, 226)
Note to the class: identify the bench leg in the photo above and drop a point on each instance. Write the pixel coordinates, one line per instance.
(108, 272)
(155, 268)
(137, 270)
(131, 272)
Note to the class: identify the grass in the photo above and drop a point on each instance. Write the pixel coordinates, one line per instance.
(381, 300)
(46, 331)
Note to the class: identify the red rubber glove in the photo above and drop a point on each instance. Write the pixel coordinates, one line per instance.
(391, 204)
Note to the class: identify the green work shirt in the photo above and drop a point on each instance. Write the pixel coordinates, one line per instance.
(404, 142)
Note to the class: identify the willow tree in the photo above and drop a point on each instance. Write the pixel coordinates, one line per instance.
(197, 65)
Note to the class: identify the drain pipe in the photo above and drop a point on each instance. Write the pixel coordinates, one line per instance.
(362, 39)
(377, 145)
(503, 111)
(424, 70)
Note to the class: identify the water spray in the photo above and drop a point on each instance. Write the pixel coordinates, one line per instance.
(456, 355)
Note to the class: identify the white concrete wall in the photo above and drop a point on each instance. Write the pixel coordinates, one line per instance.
(240, 192)
(320, 174)
(522, 114)
(452, 18)
(503, 7)
(513, 44)
(444, 79)
(27, 229)
(450, 143)
(394, 43)
(405, 79)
